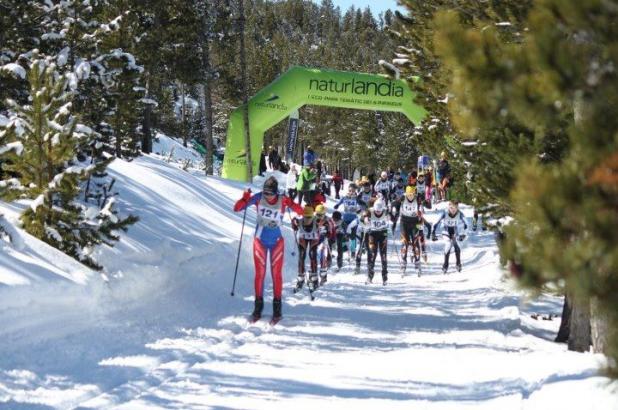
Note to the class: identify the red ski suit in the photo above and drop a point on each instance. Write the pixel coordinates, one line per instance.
(268, 237)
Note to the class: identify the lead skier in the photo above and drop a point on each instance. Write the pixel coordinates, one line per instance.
(270, 208)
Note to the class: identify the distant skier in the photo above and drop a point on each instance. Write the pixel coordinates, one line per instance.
(383, 187)
(340, 238)
(270, 207)
(410, 211)
(452, 219)
(326, 228)
(366, 194)
(351, 206)
(308, 233)
(396, 197)
(378, 223)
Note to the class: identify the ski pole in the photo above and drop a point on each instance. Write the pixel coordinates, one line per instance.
(244, 215)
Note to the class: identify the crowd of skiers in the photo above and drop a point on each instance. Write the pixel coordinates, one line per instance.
(362, 221)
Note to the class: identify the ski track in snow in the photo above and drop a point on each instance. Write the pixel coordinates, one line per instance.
(167, 334)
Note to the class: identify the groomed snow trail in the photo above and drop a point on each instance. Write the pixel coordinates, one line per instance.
(461, 340)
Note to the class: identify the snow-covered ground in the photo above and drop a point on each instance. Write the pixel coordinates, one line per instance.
(164, 332)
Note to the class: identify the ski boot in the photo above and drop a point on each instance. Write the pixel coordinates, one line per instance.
(322, 279)
(458, 267)
(384, 279)
(357, 269)
(313, 284)
(425, 257)
(257, 310)
(299, 283)
(369, 279)
(276, 309)
(444, 269)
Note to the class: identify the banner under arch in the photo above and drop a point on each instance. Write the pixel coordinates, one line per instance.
(300, 86)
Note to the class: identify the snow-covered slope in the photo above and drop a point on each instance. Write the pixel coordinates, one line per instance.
(164, 332)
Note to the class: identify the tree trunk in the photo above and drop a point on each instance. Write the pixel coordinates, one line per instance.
(206, 108)
(599, 327)
(579, 335)
(205, 89)
(183, 117)
(146, 124)
(245, 97)
(565, 322)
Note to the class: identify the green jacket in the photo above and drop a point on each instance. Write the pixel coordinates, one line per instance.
(306, 180)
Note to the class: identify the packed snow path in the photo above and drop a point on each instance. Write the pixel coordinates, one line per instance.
(461, 340)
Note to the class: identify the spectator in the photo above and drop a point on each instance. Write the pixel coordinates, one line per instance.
(444, 176)
(291, 180)
(338, 181)
(262, 163)
(318, 167)
(273, 158)
(306, 185)
(309, 156)
(412, 178)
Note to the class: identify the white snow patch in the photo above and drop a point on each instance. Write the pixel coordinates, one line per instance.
(14, 69)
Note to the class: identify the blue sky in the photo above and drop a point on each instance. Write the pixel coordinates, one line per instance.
(376, 6)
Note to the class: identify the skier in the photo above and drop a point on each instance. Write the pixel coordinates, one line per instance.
(340, 238)
(308, 234)
(418, 242)
(421, 186)
(451, 217)
(410, 210)
(383, 187)
(363, 237)
(338, 182)
(351, 206)
(270, 208)
(396, 197)
(377, 222)
(326, 229)
(366, 194)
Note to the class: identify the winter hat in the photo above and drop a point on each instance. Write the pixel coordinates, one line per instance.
(410, 190)
(320, 209)
(337, 216)
(379, 206)
(271, 186)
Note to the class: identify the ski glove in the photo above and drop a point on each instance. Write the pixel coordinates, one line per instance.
(461, 237)
(246, 195)
(466, 227)
(434, 237)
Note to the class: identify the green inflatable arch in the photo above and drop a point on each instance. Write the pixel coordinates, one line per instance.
(300, 86)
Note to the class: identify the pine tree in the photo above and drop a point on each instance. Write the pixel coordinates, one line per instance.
(41, 142)
(555, 92)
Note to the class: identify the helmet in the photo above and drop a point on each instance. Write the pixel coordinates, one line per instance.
(384, 174)
(379, 206)
(308, 211)
(410, 190)
(320, 209)
(271, 186)
(337, 216)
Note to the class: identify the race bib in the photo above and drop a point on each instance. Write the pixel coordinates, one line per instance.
(379, 224)
(409, 208)
(350, 205)
(270, 218)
